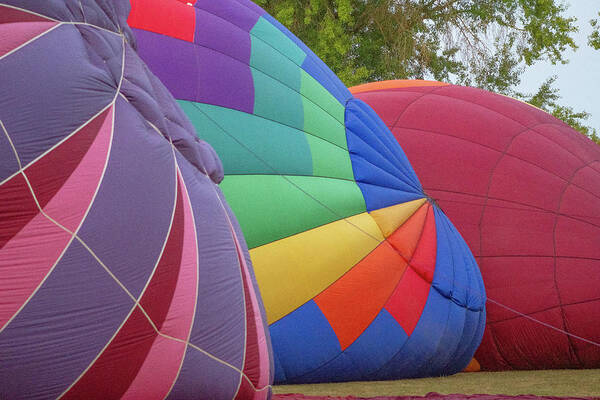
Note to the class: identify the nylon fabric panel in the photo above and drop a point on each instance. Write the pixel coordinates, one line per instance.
(391, 218)
(57, 347)
(364, 289)
(166, 17)
(259, 201)
(299, 350)
(293, 270)
(245, 141)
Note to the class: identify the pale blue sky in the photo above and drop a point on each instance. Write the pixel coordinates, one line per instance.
(579, 80)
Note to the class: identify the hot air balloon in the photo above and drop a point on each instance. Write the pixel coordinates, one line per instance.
(524, 190)
(123, 273)
(363, 277)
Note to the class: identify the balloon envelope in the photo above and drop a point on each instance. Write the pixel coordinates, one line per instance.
(123, 273)
(362, 277)
(524, 190)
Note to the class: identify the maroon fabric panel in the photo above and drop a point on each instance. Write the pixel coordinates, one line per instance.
(523, 188)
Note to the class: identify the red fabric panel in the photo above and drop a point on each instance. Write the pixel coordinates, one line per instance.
(578, 317)
(459, 118)
(534, 186)
(548, 349)
(17, 207)
(508, 231)
(406, 238)
(390, 105)
(423, 259)
(508, 282)
(9, 15)
(157, 297)
(575, 238)
(447, 160)
(18, 27)
(46, 179)
(408, 300)
(364, 290)
(109, 377)
(136, 337)
(170, 18)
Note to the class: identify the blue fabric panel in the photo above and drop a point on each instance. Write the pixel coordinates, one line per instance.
(368, 351)
(467, 346)
(340, 369)
(451, 339)
(303, 339)
(379, 197)
(62, 329)
(366, 123)
(362, 149)
(443, 277)
(316, 67)
(422, 344)
(65, 87)
(380, 166)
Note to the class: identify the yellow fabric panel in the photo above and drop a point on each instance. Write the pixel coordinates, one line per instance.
(391, 218)
(293, 270)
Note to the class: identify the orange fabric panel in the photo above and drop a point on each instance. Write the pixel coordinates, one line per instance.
(170, 18)
(408, 300)
(473, 366)
(352, 302)
(424, 257)
(407, 236)
(394, 84)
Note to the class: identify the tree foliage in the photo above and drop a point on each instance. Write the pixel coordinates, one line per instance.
(594, 39)
(482, 43)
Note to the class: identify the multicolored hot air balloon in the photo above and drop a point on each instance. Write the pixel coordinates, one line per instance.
(524, 190)
(362, 276)
(123, 273)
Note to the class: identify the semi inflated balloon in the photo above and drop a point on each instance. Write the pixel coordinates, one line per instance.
(524, 190)
(362, 276)
(122, 270)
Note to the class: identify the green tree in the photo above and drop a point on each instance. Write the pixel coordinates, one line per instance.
(483, 43)
(594, 39)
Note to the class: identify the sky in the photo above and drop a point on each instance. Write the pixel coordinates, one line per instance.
(579, 80)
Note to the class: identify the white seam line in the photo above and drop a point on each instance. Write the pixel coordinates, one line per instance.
(22, 169)
(30, 41)
(197, 293)
(51, 19)
(11, 145)
(135, 300)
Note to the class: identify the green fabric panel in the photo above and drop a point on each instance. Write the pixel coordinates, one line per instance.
(284, 150)
(272, 207)
(313, 90)
(268, 33)
(275, 101)
(319, 123)
(271, 62)
(330, 160)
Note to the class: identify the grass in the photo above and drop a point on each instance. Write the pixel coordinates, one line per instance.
(583, 383)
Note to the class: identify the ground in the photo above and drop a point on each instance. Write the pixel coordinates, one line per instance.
(580, 383)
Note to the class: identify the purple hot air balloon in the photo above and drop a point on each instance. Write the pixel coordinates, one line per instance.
(123, 273)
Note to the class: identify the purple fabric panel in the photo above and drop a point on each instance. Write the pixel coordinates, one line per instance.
(50, 88)
(129, 220)
(173, 61)
(62, 329)
(107, 14)
(202, 374)
(230, 10)
(218, 79)
(211, 30)
(8, 160)
(219, 323)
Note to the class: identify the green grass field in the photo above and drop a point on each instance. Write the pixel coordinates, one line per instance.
(584, 383)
